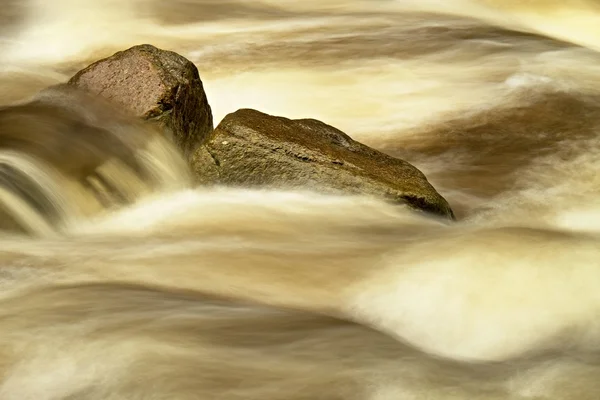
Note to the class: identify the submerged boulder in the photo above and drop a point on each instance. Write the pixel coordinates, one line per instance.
(66, 155)
(156, 85)
(250, 148)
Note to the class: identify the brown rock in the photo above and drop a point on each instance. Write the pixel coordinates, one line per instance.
(155, 85)
(250, 148)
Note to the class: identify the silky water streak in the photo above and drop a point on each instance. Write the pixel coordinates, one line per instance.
(128, 283)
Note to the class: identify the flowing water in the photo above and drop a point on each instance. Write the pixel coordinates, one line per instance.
(496, 101)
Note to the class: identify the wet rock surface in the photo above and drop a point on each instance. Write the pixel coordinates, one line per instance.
(253, 149)
(156, 85)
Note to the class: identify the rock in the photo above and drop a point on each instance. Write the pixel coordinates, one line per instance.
(155, 85)
(250, 148)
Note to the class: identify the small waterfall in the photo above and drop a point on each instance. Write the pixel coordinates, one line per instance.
(65, 157)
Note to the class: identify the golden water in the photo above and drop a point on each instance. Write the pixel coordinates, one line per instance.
(496, 101)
